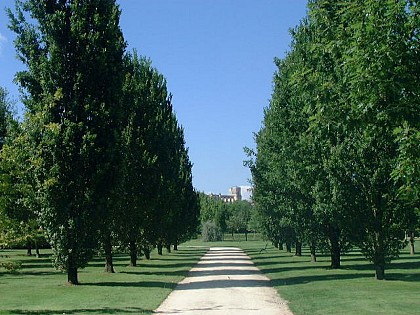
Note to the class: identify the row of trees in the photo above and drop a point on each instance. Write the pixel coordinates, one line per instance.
(238, 216)
(99, 158)
(337, 161)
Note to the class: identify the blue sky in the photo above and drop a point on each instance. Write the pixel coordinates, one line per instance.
(217, 56)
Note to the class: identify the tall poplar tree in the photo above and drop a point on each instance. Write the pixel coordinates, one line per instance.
(5, 115)
(144, 94)
(73, 52)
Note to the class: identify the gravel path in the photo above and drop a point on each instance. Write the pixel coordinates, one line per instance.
(225, 281)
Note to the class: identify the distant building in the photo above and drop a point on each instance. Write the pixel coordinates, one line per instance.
(234, 195)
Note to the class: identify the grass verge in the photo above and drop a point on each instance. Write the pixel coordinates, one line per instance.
(37, 288)
(310, 288)
(314, 288)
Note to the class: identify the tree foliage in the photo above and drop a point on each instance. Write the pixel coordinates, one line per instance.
(100, 158)
(73, 52)
(334, 161)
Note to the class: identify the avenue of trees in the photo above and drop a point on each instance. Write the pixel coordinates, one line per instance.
(99, 158)
(337, 162)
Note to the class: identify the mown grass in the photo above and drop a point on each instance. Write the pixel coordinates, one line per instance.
(38, 288)
(310, 288)
(314, 288)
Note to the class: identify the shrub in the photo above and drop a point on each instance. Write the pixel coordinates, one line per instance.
(211, 232)
(11, 266)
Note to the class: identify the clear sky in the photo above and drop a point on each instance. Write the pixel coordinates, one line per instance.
(217, 56)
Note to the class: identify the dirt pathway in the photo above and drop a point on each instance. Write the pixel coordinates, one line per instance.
(225, 281)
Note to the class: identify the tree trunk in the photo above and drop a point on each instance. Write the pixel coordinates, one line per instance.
(159, 248)
(298, 250)
(313, 253)
(72, 276)
(28, 248)
(379, 272)
(176, 246)
(37, 253)
(288, 247)
(133, 253)
(146, 250)
(334, 236)
(246, 235)
(109, 266)
(412, 251)
(280, 246)
(379, 256)
(168, 248)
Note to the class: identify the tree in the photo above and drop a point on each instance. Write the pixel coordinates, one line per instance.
(239, 216)
(73, 52)
(18, 190)
(340, 128)
(5, 182)
(383, 94)
(155, 182)
(4, 115)
(214, 210)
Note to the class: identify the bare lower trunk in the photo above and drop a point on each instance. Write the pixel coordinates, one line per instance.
(175, 246)
(298, 250)
(246, 235)
(159, 248)
(335, 250)
(28, 248)
(72, 276)
(37, 253)
(411, 242)
(109, 266)
(133, 253)
(168, 248)
(379, 256)
(379, 272)
(288, 247)
(313, 253)
(146, 251)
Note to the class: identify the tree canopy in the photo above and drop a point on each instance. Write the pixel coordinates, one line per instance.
(333, 165)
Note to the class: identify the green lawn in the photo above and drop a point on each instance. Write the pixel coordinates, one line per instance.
(313, 288)
(39, 289)
(310, 288)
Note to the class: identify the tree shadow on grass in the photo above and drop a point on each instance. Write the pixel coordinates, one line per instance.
(140, 284)
(395, 276)
(316, 278)
(39, 273)
(37, 263)
(405, 265)
(281, 262)
(294, 268)
(105, 310)
(170, 266)
(157, 273)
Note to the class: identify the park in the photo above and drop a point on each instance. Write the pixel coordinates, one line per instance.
(309, 288)
(99, 208)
